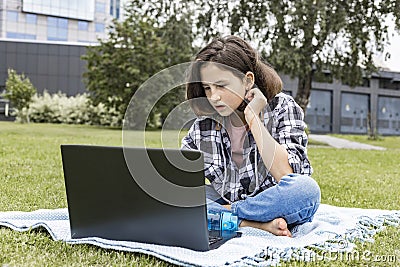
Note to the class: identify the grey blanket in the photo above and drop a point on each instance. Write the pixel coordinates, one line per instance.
(334, 229)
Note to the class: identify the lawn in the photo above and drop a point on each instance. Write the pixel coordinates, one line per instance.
(31, 178)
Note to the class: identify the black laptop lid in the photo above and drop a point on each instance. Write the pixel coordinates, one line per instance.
(105, 201)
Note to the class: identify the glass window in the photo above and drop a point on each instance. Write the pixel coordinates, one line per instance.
(51, 31)
(17, 35)
(51, 21)
(117, 13)
(57, 29)
(112, 8)
(50, 38)
(117, 9)
(12, 16)
(83, 25)
(99, 27)
(63, 23)
(62, 34)
(100, 7)
(389, 83)
(31, 18)
(11, 35)
(30, 36)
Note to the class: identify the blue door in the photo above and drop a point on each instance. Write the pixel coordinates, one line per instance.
(319, 111)
(388, 115)
(354, 113)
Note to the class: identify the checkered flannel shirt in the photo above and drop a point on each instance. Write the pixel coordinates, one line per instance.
(284, 120)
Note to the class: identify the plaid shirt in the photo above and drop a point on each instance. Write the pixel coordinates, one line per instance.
(284, 120)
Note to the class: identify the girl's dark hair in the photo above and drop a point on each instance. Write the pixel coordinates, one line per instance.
(232, 53)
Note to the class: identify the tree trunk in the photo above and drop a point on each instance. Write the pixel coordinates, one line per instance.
(304, 90)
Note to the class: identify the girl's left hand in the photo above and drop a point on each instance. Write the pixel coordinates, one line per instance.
(257, 102)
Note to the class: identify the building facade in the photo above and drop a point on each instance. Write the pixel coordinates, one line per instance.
(338, 108)
(45, 39)
(76, 21)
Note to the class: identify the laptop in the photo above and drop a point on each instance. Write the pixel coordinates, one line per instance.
(135, 194)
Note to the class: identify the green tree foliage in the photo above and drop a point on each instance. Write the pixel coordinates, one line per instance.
(136, 48)
(19, 90)
(178, 35)
(300, 38)
(120, 64)
(308, 36)
(340, 36)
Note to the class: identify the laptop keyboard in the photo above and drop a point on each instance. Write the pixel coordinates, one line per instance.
(213, 239)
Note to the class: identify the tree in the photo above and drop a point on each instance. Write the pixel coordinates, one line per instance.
(136, 48)
(19, 90)
(340, 36)
(121, 63)
(301, 38)
(177, 34)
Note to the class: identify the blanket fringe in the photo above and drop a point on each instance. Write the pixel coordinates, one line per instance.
(364, 231)
(367, 227)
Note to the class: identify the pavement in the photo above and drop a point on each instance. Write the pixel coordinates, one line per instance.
(342, 143)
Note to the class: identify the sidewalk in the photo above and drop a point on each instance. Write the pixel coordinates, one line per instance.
(342, 143)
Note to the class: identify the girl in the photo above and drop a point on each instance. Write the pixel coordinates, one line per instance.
(252, 137)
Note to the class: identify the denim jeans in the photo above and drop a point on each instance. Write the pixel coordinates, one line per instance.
(295, 198)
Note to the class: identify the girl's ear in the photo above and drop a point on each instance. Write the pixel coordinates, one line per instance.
(249, 79)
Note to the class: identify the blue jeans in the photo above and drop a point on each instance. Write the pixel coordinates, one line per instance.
(295, 198)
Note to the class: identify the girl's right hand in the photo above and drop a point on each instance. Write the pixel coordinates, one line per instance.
(257, 102)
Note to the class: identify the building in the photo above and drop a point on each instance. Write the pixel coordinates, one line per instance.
(72, 21)
(45, 39)
(338, 108)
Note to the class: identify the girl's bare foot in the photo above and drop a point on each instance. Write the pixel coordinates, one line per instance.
(277, 227)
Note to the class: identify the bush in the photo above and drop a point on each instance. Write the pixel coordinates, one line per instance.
(59, 108)
(19, 90)
(105, 114)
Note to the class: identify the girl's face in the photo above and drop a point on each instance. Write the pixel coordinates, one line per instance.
(223, 89)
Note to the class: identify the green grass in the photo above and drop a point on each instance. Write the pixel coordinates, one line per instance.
(31, 178)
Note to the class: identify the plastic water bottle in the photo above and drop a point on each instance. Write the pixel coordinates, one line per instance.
(222, 221)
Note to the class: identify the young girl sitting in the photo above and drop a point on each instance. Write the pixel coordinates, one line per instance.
(252, 137)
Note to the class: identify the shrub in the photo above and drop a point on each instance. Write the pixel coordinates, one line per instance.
(106, 114)
(59, 108)
(19, 90)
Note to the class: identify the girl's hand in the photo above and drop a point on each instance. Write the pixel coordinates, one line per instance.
(257, 102)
